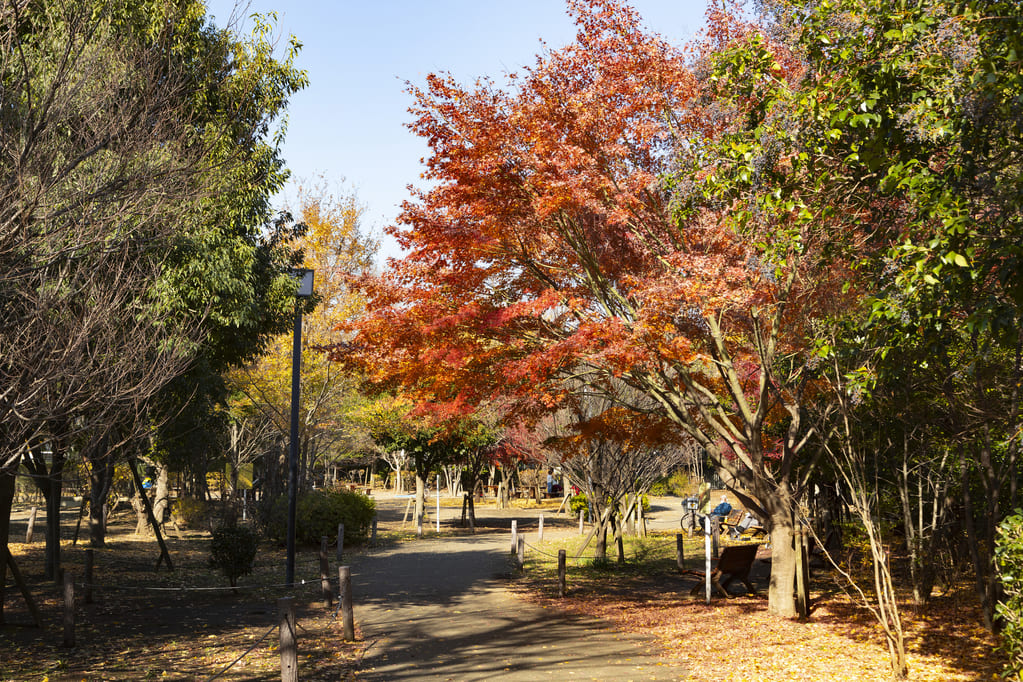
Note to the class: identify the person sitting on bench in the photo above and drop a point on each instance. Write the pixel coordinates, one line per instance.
(723, 509)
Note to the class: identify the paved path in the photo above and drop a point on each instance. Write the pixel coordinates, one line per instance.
(437, 609)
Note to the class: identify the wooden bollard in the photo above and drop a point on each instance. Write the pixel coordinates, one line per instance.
(341, 540)
(69, 611)
(289, 643)
(514, 536)
(582, 521)
(680, 559)
(539, 533)
(561, 573)
(344, 574)
(88, 575)
(802, 600)
(325, 591)
(373, 531)
(707, 554)
(521, 553)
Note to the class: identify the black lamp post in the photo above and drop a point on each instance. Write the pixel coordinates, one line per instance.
(305, 290)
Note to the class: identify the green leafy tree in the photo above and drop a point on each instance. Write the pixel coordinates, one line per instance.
(138, 152)
(336, 247)
(912, 117)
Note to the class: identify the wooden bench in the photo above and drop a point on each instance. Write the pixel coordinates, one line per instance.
(735, 563)
(746, 526)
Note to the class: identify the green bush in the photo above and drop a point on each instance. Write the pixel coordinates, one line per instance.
(676, 484)
(319, 512)
(189, 512)
(233, 551)
(1009, 563)
(579, 503)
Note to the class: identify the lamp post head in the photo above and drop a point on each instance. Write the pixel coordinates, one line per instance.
(304, 277)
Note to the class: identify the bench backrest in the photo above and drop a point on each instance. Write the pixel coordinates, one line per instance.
(737, 558)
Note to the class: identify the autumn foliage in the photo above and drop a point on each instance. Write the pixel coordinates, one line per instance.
(591, 226)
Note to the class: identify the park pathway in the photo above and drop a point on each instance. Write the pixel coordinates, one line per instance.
(439, 609)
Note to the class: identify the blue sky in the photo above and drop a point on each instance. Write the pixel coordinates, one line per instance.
(349, 124)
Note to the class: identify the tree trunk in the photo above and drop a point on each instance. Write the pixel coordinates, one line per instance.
(101, 476)
(55, 491)
(162, 500)
(619, 543)
(781, 599)
(420, 501)
(49, 481)
(600, 550)
(6, 500)
(141, 520)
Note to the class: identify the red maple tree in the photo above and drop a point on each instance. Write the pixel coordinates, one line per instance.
(550, 254)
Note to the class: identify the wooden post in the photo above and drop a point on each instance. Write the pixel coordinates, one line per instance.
(806, 562)
(78, 523)
(341, 539)
(88, 575)
(539, 536)
(373, 531)
(344, 574)
(521, 555)
(514, 536)
(716, 534)
(289, 645)
(69, 611)
(561, 573)
(582, 521)
(147, 505)
(642, 522)
(680, 559)
(325, 591)
(31, 526)
(706, 552)
(438, 503)
(802, 606)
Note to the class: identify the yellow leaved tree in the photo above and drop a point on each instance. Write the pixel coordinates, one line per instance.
(336, 246)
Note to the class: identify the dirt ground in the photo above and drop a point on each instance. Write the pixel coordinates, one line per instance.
(450, 607)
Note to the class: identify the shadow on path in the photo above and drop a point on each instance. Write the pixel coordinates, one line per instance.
(438, 610)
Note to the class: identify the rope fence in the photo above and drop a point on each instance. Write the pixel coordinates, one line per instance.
(339, 584)
(246, 653)
(646, 548)
(184, 588)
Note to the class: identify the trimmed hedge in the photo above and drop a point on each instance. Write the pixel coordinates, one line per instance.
(319, 512)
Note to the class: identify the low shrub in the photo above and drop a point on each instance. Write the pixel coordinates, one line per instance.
(676, 484)
(189, 512)
(318, 514)
(233, 551)
(581, 503)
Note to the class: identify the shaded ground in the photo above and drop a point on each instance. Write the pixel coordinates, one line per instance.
(435, 608)
(439, 610)
(451, 607)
